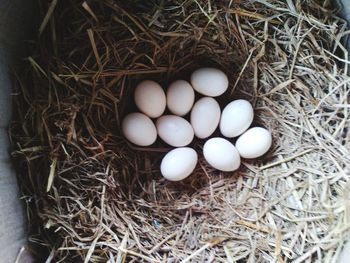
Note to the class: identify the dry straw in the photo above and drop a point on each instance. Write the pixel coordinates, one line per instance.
(93, 197)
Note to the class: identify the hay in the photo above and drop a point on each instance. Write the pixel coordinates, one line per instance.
(93, 197)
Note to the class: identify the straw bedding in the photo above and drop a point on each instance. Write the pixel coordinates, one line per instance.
(93, 197)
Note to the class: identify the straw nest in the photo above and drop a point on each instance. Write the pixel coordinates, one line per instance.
(93, 197)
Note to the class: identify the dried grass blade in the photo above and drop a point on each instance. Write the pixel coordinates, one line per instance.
(51, 174)
(94, 47)
(48, 15)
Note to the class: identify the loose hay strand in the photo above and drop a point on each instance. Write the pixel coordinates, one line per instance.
(104, 200)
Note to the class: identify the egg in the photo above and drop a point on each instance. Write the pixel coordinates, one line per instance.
(178, 163)
(236, 118)
(221, 154)
(254, 143)
(205, 117)
(210, 82)
(180, 97)
(133, 123)
(150, 98)
(174, 130)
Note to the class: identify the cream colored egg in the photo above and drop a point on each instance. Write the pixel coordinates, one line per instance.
(178, 163)
(180, 97)
(210, 82)
(221, 154)
(254, 143)
(236, 118)
(205, 117)
(150, 98)
(139, 129)
(174, 130)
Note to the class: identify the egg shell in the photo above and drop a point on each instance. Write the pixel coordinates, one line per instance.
(210, 82)
(150, 98)
(180, 97)
(236, 118)
(205, 117)
(221, 154)
(139, 129)
(175, 130)
(254, 143)
(178, 163)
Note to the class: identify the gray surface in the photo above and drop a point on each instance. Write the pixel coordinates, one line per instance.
(5, 91)
(344, 256)
(346, 9)
(12, 219)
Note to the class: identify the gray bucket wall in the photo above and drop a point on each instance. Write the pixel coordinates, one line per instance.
(15, 18)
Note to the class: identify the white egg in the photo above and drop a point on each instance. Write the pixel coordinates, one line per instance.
(221, 154)
(254, 143)
(178, 163)
(209, 81)
(150, 98)
(205, 117)
(133, 123)
(180, 97)
(236, 118)
(174, 130)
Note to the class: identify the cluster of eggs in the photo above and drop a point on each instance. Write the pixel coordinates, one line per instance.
(204, 117)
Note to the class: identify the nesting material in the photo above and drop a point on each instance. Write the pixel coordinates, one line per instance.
(93, 197)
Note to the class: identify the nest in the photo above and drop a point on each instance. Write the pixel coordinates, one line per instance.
(93, 197)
